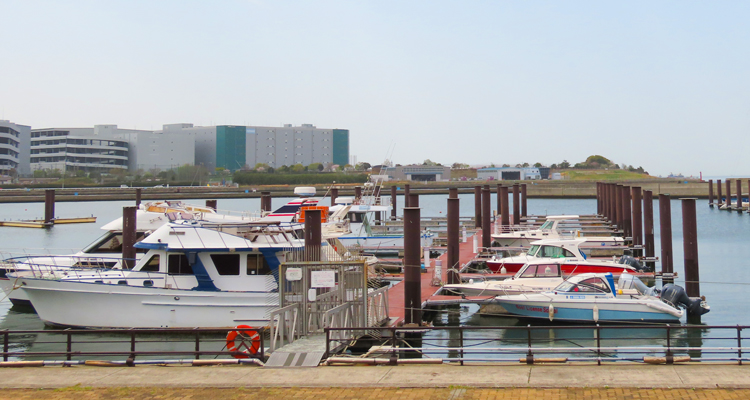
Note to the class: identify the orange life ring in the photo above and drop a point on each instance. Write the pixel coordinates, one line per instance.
(241, 349)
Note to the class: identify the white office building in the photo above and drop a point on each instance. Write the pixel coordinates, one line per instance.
(14, 148)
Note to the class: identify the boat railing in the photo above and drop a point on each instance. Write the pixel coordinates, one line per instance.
(285, 326)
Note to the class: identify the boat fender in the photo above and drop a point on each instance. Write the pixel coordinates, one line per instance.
(596, 313)
(471, 281)
(248, 344)
(551, 312)
(503, 270)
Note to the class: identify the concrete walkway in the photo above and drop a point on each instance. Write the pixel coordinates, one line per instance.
(706, 376)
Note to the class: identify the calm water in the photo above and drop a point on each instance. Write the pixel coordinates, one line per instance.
(723, 254)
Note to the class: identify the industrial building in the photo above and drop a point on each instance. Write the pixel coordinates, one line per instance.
(513, 173)
(14, 148)
(429, 173)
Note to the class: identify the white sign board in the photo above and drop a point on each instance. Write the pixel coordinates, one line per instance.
(323, 279)
(293, 274)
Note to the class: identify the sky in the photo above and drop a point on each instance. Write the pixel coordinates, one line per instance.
(658, 84)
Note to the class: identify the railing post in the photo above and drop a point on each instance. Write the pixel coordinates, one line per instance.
(529, 355)
(461, 343)
(262, 344)
(669, 358)
(197, 345)
(598, 345)
(6, 345)
(739, 345)
(69, 347)
(328, 341)
(132, 345)
(394, 356)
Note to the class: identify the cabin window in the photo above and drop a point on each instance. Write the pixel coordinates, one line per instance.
(356, 217)
(529, 272)
(554, 252)
(546, 271)
(547, 225)
(257, 265)
(593, 285)
(152, 265)
(226, 264)
(112, 243)
(532, 250)
(177, 264)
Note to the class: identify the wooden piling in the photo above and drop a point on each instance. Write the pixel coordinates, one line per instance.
(499, 199)
(313, 234)
(335, 195)
(505, 211)
(407, 195)
(718, 192)
(665, 231)
(627, 212)
(648, 226)
(357, 193)
(739, 196)
(412, 270)
(265, 201)
(486, 214)
(212, 204)
(394, 203)
(728, 203)
(524, 210)
(453, 237)
(637, 227)
(49, 205)
(128, 237)
(690, 246)
(618, 206)
(711, 193)
(516, 204)
(138, 192)
(477, 207)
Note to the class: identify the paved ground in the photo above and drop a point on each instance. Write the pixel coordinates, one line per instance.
(457, 393)
(661, 382)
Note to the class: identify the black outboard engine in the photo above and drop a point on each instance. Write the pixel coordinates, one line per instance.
(678, 296)
(628, 259)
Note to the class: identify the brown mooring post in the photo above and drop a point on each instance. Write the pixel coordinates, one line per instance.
(212, 204)
(477, 207)
(516, 204)
(637, 220)
(265, 201)
(598, 198)
(613, 203)
(729, 194)
(407, 195)
(711, 193)
(412, 270)
(690, 245)
(394, 196)
(128, 236)
(334, 196)
(618, 207)
(499, 199)
(665, 231)
(648, 226)
(605, 200)
(739, 195)
(627, 211)
(523, 201)
(486, 214)
(313, 235)
(453, 237)
(357, 193)
(718, 192)
(138, 196)
(505, 211)
(49, 205)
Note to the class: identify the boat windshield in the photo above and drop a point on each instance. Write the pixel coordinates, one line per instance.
(532, 250)
(591, 285)
(555, 252)
(547, 225)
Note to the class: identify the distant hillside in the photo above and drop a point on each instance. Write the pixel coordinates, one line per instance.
(602, 174)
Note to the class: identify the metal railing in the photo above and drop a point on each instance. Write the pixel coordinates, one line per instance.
(653, 344)
(124, 344)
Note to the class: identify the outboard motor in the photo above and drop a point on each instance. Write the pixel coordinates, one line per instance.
(628, 259)
(628, 281)
(678, 296)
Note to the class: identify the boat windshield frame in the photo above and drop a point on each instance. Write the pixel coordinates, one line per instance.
(547, 225)
(583, 287)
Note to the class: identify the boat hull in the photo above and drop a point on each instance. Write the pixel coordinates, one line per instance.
(98, 305)
(584, 310)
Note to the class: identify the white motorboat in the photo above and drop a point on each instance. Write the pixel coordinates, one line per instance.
(192, 275)
(566, 252)
(594, 298)
(534, 277)
(555, 227)
(106, 251)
